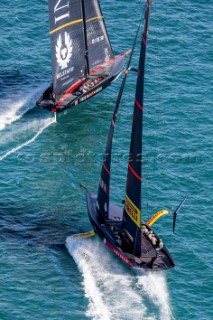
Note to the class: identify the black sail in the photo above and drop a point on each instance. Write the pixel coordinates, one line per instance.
(67, 44)
(132, 206)
(98, 44)
(104, 184)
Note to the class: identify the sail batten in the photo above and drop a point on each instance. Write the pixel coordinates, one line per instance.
(95, 18)
(66, 25)
(132, 204)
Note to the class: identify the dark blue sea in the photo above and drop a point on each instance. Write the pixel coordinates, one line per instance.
(42, 163)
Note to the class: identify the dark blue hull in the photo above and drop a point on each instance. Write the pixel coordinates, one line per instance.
(153, 257)
(84, 89)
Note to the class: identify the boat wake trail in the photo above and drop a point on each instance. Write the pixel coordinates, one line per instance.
(155, 286)
(15, 107)
(113, 291)
(46, 122)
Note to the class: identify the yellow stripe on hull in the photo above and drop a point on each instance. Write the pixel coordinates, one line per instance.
(83, 235)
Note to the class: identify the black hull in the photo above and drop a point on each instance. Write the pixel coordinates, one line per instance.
(81, 91)
(153, 257)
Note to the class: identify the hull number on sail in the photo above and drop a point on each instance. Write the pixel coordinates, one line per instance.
(132, 211)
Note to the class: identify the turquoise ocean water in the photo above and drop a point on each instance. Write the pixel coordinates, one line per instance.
(43, 162)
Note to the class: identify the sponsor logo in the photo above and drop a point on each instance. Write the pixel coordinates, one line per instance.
(64, 73)
(64, 50)
(90, 94)
(132, 211)
(118, 253)
(94, 92)
(98, 39)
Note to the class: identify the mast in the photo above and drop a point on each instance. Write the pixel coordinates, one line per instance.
(132, 207)
(85, 36)
(104, 184)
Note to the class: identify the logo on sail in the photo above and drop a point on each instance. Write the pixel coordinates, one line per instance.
(64, 50)
(132, 211)
(98, 39)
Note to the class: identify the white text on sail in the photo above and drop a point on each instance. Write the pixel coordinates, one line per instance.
(57, 10)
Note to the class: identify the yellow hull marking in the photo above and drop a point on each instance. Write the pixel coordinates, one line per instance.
(84, 235)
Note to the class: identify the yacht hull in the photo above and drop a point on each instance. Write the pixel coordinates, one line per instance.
(84, 88)
(153, 257)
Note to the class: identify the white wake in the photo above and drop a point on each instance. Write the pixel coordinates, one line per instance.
(46, 123)
(155, 286)
(113, 291)
(14, 107)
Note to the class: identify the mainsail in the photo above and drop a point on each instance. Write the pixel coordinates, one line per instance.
(79, 41)
(104, 184)
(67, 43)
(132, 206)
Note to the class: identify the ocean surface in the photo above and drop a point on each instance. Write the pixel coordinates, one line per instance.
(42, 163)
